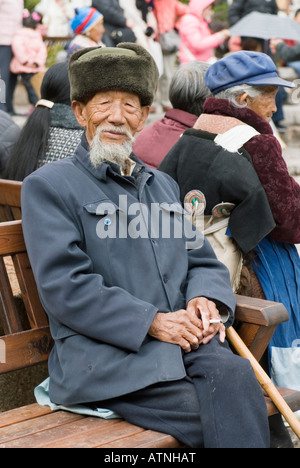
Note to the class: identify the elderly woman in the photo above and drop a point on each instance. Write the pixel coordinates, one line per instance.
(188, 92)
(244, 85)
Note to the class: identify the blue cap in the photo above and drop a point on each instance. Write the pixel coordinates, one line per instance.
(244, 67)
(85, 19)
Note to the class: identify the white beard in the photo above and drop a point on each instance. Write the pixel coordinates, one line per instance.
(115, 153)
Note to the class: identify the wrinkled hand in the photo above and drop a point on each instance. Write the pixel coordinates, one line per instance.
(181, 328)
(188, 328)
(207, 310)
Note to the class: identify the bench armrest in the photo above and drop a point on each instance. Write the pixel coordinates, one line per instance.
(256, 321)
(260, 312)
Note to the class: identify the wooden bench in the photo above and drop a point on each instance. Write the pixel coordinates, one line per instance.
(10, 200)
(23, 346)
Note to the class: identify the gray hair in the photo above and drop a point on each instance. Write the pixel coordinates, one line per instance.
(231, 94)
(188, 90)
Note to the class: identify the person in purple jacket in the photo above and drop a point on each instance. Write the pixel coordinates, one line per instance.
(188, 92)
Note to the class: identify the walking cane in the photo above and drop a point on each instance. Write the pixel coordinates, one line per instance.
(264, 380)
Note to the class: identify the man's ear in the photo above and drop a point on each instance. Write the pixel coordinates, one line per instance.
(79, 112)
(144, 117)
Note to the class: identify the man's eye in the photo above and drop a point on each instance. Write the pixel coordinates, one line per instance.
(130, 106)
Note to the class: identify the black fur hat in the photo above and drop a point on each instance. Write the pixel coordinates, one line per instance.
(128, 67)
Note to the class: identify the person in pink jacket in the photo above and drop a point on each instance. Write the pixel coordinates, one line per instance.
(167, 14)
(197, 41)
(29, 53)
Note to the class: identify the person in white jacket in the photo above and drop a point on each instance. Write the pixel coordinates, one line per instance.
(11, 12)
(57, 14)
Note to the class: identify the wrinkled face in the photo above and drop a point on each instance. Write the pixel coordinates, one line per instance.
(115, 112)
(264, 105)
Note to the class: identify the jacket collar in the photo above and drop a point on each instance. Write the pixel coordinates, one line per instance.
(216, 106)
(182, 117)
(105, 170)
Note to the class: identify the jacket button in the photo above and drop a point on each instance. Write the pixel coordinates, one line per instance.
(165, 279)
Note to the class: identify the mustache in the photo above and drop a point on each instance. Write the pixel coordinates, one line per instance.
(116, 130)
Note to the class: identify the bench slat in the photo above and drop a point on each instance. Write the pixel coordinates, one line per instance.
(86, 432)
(24, 413)
(101, 432)
(147, 439)
(20, 431)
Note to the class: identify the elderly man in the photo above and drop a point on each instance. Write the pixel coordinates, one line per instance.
(130, 308)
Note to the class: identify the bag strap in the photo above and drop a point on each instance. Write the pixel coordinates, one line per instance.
(222, 223)
(236, 137)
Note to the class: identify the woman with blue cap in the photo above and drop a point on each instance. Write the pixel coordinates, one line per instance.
(232, 139)
(88, 28)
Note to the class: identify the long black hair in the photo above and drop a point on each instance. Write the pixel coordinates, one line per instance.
(32, 142)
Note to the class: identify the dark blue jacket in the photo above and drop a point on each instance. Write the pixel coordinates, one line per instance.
(101, 291)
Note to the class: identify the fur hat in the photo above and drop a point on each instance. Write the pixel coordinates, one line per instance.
(128, 67)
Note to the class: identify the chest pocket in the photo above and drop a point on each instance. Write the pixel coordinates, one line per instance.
(165, 220)
(105, 213)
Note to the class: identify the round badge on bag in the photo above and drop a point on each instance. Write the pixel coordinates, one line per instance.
(223, 209)
(195, 202)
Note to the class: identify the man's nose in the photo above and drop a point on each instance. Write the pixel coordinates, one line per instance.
(116, 114)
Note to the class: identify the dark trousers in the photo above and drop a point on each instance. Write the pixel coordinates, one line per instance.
(9, 79)
(26, 80)
(218, 405)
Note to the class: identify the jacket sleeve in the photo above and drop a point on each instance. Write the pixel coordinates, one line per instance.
(20, 49)
(236, 11)
(71, 293)
(112, 14)
(10, 132)
(207, 277)
(282, 190)
(41, 55)
(287, 53)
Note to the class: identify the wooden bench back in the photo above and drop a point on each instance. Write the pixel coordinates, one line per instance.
(10, 200)
(26, 338)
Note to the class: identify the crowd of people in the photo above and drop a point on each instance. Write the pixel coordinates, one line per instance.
(159, 339)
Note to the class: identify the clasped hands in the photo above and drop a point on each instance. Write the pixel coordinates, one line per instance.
(189, 328)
